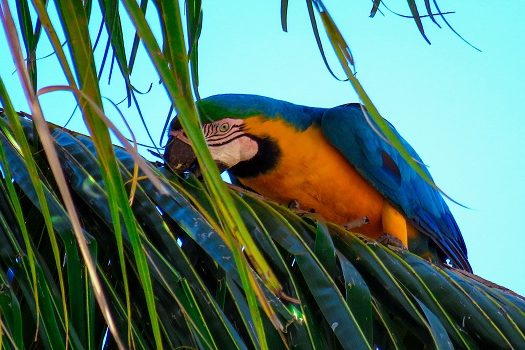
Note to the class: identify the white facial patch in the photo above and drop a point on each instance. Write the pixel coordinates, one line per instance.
(227, 141)
(235, 151)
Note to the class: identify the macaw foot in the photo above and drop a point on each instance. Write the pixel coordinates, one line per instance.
(295, 206)
(356, 223)
(392, 241)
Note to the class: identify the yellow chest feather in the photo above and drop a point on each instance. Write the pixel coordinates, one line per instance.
(314, 173)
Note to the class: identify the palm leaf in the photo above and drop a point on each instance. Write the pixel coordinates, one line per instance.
(340, 289)
(176, 262)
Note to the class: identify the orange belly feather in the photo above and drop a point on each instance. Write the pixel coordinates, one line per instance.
(318, 176)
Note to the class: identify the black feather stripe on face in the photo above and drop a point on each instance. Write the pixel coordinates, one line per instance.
(265, 160)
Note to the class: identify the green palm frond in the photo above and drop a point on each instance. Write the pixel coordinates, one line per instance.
(140, 258)
(340, 290)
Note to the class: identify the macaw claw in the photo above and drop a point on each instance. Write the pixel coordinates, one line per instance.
(295, 206)
(356, 223)
(388, 240)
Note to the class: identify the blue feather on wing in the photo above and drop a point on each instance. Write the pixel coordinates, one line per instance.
(349, 130)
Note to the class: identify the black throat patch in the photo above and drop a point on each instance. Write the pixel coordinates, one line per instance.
(264, 161)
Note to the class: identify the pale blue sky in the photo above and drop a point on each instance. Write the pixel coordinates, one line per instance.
(459, 108)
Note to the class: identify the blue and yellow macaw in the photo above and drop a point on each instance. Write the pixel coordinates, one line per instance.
(331, 161)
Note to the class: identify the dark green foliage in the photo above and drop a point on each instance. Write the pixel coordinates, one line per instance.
(340, 290)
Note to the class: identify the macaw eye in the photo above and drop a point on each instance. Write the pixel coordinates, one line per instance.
(224, 127)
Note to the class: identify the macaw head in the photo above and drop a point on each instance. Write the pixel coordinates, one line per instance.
(227, 140)
(232, 126)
